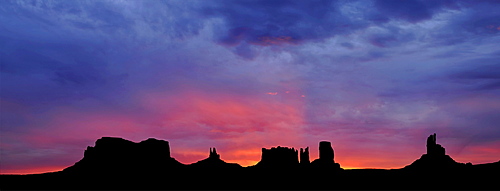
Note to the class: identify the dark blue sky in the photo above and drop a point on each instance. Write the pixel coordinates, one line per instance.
(373, 77)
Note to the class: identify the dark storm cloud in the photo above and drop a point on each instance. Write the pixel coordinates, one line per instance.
(291, 22)
(412, 10)
(288, 22)
(281, 22)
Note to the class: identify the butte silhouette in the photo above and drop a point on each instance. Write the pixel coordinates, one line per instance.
(116, 163)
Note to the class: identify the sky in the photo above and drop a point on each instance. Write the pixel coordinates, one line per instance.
(373, 77)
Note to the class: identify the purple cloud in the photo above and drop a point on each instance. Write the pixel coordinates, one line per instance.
(237, 74)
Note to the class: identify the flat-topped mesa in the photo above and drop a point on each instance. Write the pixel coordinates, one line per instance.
(118, 146)
(304, 156)
(113, 154)
(326, 156)
(279, 157)
(433, 148)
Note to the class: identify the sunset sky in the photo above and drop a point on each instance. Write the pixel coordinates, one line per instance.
(375, 78)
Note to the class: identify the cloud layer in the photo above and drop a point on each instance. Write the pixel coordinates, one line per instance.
(373, 77)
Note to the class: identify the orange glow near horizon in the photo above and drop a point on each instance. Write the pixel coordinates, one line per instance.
(251, 157)
(237, 125)
(244, 163)
(37, 170)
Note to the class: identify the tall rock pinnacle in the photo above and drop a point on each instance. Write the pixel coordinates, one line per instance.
(213, 154)
(304, 156)
(326, 157)
(433, 148)
(326, 151)
(434, 159)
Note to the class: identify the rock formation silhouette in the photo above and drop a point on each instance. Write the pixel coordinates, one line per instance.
(326, 151)
(214, 161)
(433, 148)
(213, 154)
(119, 164)
(326, 157)
(279, 157)
(435, 158)
(304, 156)
(117, 155)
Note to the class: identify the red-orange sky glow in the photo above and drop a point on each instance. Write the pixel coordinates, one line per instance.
(238, 126)
(375, 78)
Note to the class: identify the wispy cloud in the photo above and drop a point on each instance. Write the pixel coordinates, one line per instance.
(373, 77)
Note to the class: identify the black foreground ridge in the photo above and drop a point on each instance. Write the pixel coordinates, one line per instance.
(116, 163)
